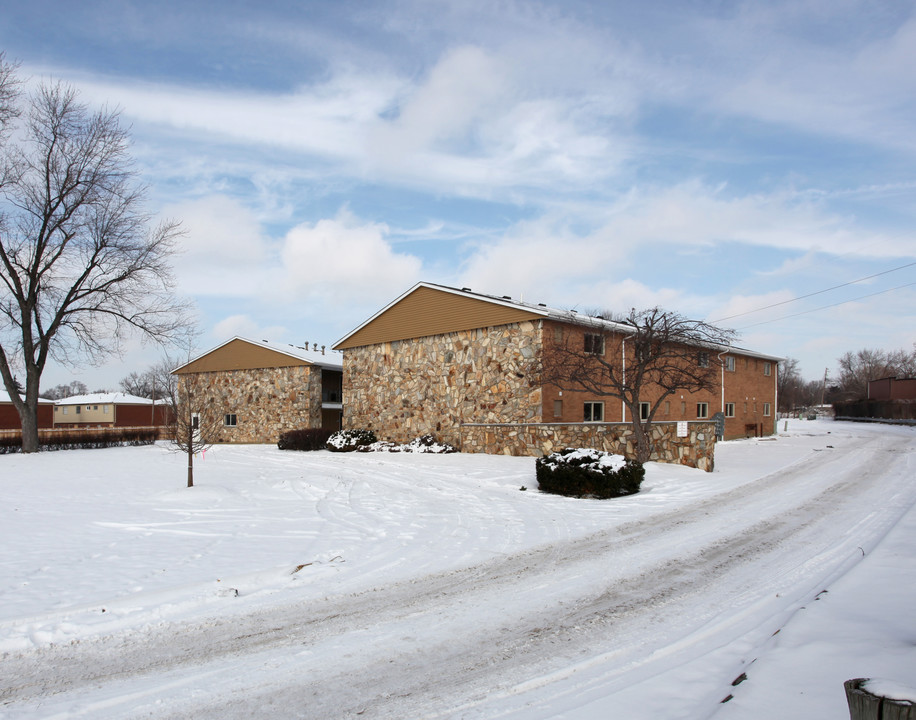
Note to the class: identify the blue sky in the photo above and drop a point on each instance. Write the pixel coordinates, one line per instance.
(711, 158)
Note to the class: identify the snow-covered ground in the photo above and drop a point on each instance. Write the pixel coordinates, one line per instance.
(320, 585)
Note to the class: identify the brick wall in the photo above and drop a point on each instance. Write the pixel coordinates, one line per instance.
(747, 387)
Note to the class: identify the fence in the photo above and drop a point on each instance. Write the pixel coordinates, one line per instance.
(72, 437)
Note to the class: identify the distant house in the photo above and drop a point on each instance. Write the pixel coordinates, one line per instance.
(9, 418)
(449, 361)
(110, 410)
(261, 389)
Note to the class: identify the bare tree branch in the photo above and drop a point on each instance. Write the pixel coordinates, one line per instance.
(645, 356)
(80, 266)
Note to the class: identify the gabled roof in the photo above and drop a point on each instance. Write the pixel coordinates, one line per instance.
(431, 309)
(428, 309)
(244, 354)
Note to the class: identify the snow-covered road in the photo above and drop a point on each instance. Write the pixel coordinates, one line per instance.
(433, 587)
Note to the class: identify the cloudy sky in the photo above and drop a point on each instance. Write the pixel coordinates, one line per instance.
(750, 163)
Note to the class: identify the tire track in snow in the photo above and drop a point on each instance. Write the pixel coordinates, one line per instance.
(607, 588)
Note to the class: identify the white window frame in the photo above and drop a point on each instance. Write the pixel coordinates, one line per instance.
(730, 363)
(702, 411)
(644, 410)
(767, 368)
(230, 420)
(703, 359)
(729, 410)
(588, 412)
(766, 409)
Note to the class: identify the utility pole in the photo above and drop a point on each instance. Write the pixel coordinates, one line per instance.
(824, 386)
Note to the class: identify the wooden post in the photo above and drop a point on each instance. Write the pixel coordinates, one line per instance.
(865, 706)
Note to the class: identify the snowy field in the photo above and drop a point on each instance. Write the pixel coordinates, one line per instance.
(318, 585)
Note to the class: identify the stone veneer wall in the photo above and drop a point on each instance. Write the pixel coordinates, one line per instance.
(696, 450)
(266, 401)
(401, 390)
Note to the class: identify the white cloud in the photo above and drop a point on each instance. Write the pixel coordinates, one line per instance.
(342, 259)
(244, 326)
(224, 250)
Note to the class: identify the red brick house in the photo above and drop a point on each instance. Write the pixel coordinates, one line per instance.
(444, 360)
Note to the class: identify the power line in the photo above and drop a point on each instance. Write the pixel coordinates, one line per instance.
(819, 292)
(827, 307)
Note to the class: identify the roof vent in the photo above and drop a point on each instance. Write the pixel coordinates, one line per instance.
(507, 297)
(542, 304)
(465, 289)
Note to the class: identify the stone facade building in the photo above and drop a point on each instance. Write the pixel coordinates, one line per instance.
(453, 363)
(261, 389)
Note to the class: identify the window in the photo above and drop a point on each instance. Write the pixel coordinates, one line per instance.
(729, 409)
(105, 409)
(594, 412)
(594, 344)
(703, 359)
(558, 408)
(78, 409)
(767, 368)
(94, 407)
(730, 363)
(643, 411)
(230, 420)
(65, 411)
(766, 409)
(702, 411)
(195, 421)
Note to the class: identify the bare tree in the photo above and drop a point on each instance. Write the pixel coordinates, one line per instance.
(790, 386)
(80, 264)
(664, 353)
(195, 420)
(59, 392)
(139, 384)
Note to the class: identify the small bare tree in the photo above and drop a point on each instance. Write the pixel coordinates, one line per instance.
(80, 266)
(644, 357)
(195, 421)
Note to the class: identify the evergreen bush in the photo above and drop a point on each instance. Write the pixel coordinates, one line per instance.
(588, 474)
(350, 440)
(304, 439)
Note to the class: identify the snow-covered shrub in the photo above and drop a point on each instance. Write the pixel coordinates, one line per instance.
(304, 439)
(350, 440)
(424, 444)
(577, 472)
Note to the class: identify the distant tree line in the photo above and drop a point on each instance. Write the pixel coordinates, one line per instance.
(856, 370)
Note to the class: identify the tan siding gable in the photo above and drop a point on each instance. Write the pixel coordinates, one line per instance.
(428, 311)
(240, 355)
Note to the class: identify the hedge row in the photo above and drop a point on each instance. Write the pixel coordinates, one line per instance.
(86, 439)
(307, 439)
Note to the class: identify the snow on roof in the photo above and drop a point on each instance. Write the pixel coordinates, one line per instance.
(552, 313)
(5, 398)
(115, 398)
(330, 359)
